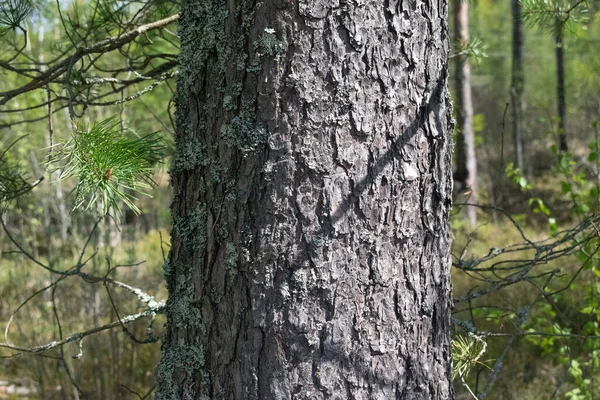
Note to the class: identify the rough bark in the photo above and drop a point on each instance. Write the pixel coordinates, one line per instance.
(560, 91)
(312, 184)
(466, 162)
(517, 84)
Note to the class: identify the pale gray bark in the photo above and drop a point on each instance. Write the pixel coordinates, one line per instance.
(466, 168)
(63, 214)
(64, 220)
(312, 190)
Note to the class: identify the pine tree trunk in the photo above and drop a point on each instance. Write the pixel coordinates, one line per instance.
(517, 85)
(466, 171)
(560, 91)
(312, 184)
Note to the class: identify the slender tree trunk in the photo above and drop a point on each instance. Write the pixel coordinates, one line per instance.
(64, 219)
(560, 86)
(466, 171)
(517, 85)
(46, 202)
(312, 190)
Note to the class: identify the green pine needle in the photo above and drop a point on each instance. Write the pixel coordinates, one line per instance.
(12, 183)
(554, 16)
(111, 166)
(13, 13)
(473, 50)
(466, 352)
(12, 177)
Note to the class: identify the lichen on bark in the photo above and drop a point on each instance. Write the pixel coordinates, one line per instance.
(310, 249)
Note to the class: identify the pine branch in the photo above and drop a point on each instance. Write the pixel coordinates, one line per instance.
(80, 335)
(65, 66)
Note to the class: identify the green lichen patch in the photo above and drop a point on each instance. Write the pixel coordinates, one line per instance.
(231, 94)
(177, 359)
(202, 30)
(192, 224)
(243, 134)
(183, 311)
(189, 155)
(254, 67)
(228, 103)
(217, 172)
(191, 230)
(231, 259)
(268, 44)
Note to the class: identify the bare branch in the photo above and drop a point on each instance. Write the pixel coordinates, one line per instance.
(66, 65)
(78, 336)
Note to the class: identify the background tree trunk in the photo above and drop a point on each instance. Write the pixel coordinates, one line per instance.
(517, 84)
(560, 90)
(312, 190)
(466, 171)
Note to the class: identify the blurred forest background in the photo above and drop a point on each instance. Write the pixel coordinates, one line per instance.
(526, 271)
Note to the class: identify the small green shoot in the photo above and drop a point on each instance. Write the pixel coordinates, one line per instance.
(111, 166)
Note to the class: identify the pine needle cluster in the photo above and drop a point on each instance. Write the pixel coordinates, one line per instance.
(554, 16)
(12, 14)
(111, 166)
(473, 50)
(466, 352)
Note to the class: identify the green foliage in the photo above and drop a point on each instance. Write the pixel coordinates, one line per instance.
(473, 50)
(479, 126)
(578, 183)
(582, 391)
(479, 123)
(110, 165)
(537, 204)
(13, 13)
(466, 352)
(554, 16)
(517, 177)
(12, 182)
